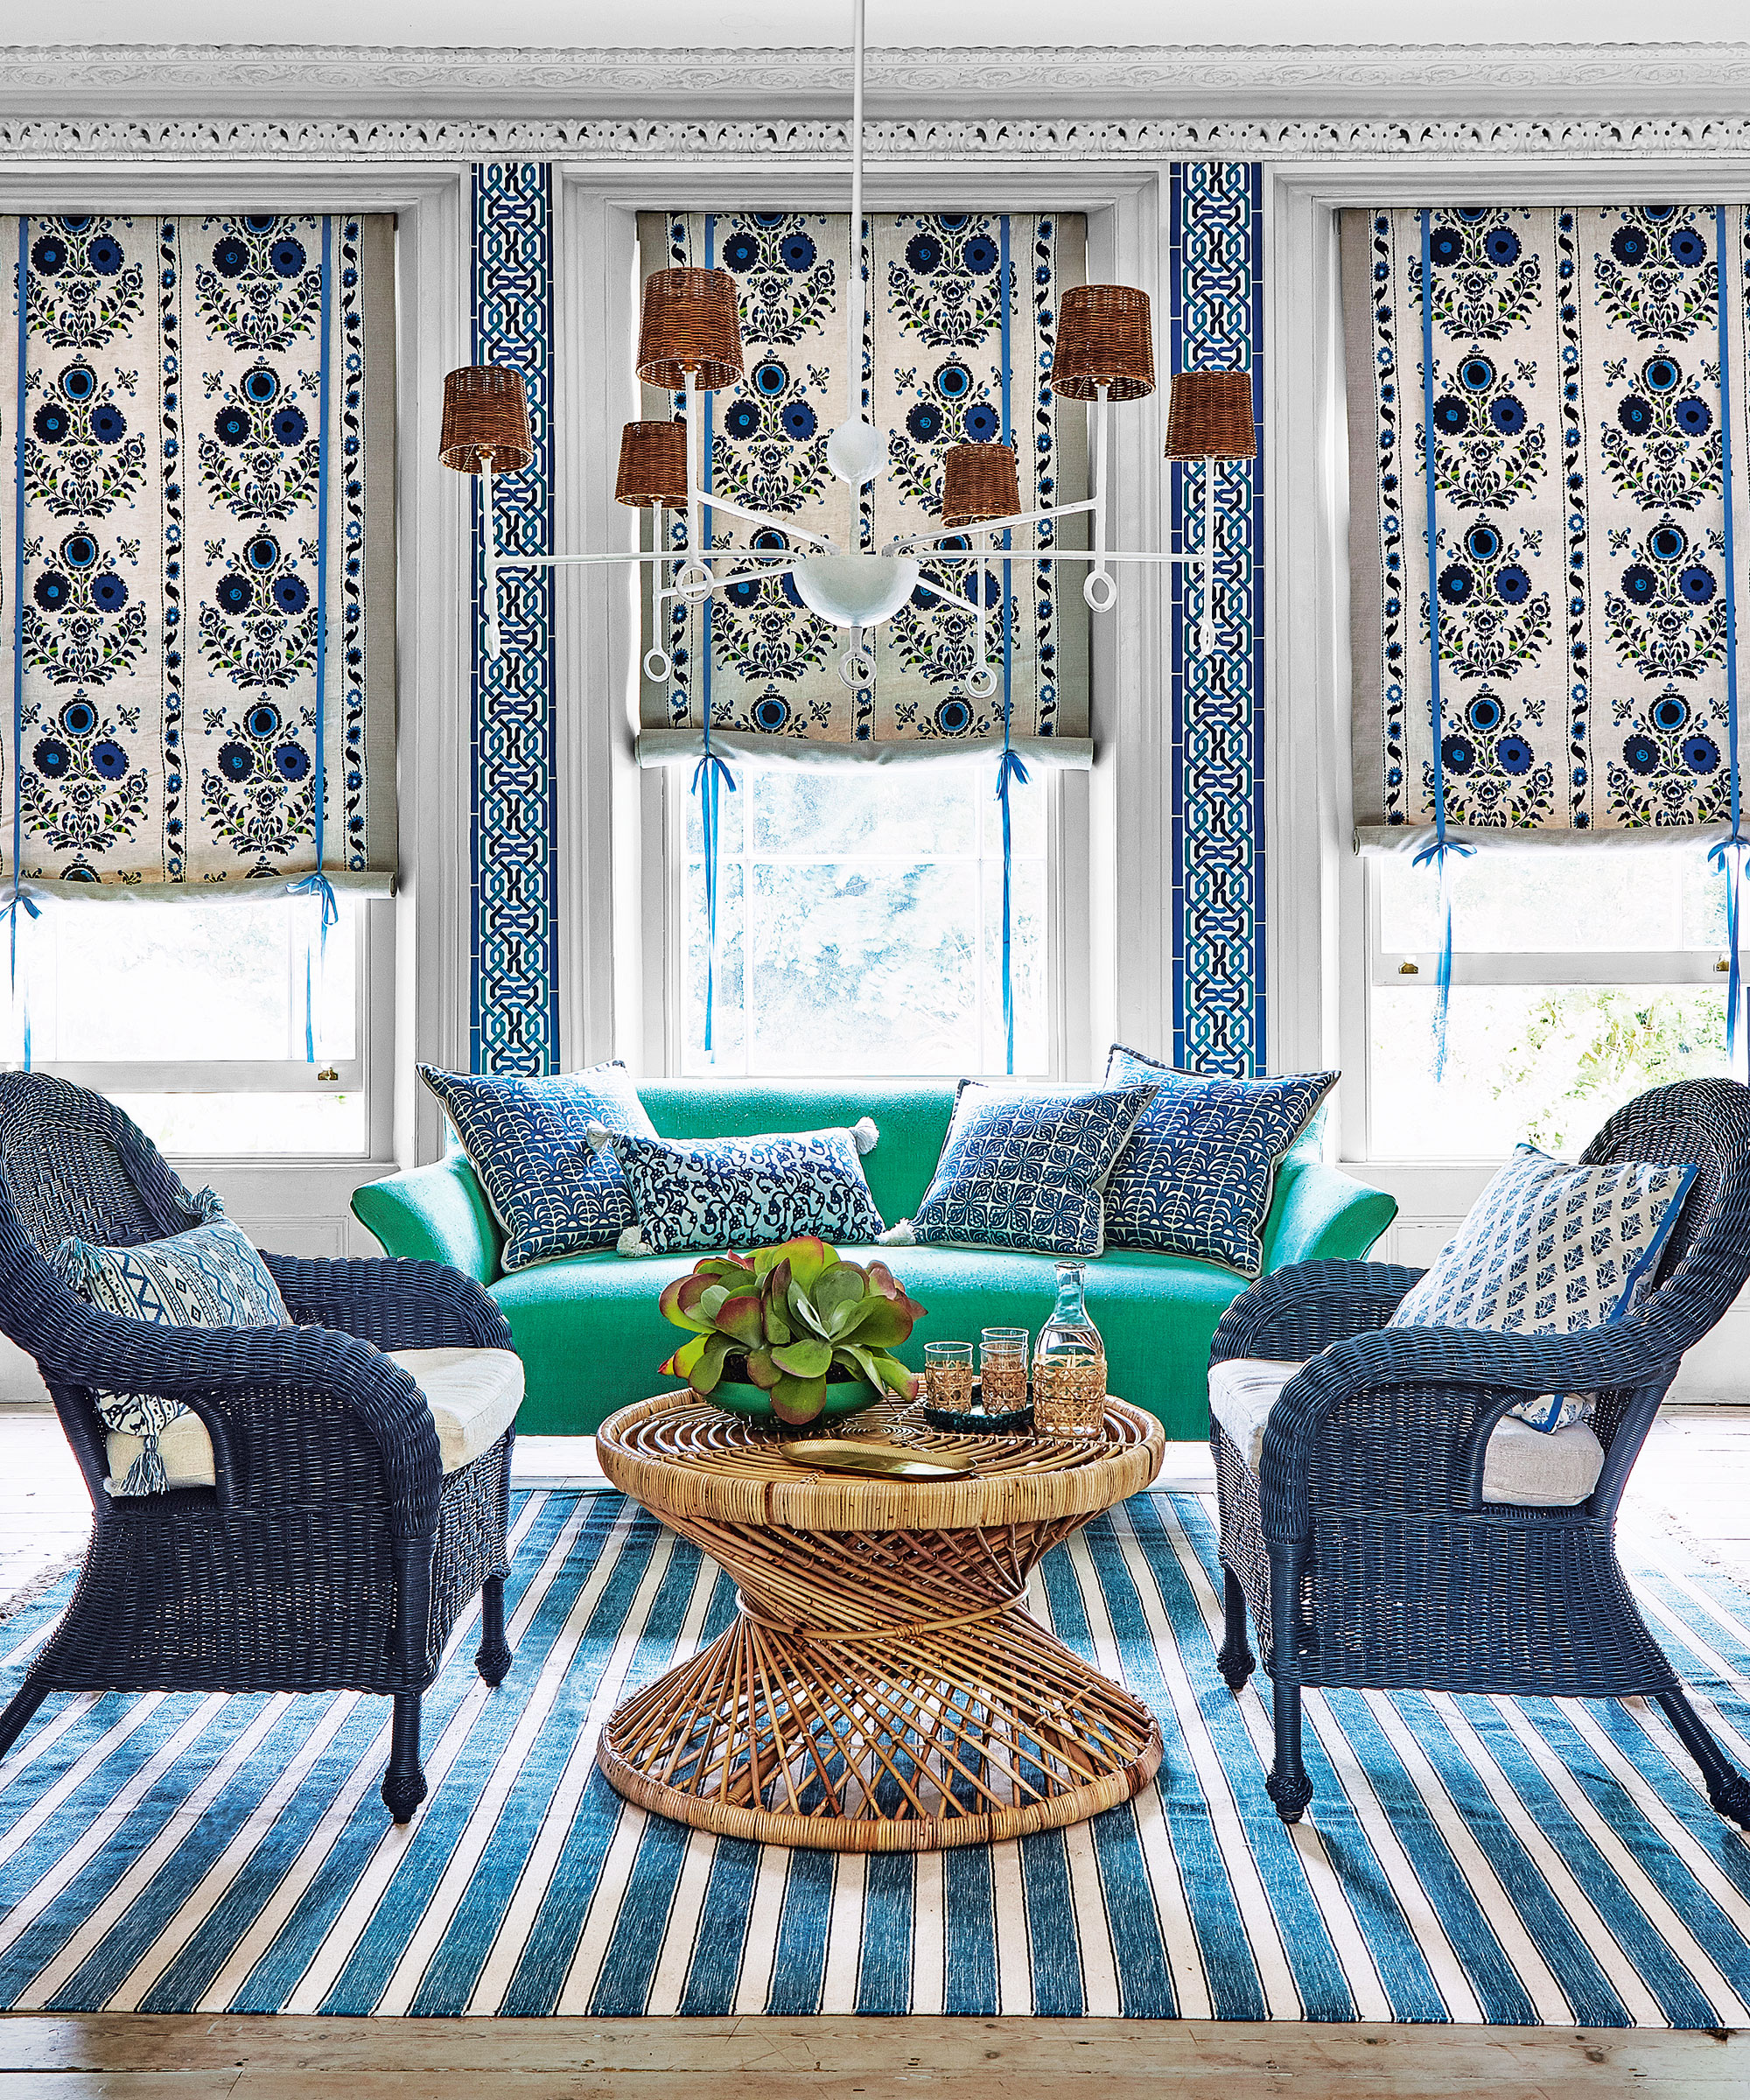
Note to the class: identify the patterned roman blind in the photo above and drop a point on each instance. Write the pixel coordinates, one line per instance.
(1586, 402)
(196, 533)
(957, 348)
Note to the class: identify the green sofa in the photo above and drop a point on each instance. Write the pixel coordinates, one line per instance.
(591, 1337)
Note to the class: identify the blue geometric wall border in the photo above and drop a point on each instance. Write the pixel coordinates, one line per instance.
(1215, 324)
(513, 1023)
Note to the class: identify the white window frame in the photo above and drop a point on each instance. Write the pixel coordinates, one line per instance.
(365, 1072)
(1061, 897)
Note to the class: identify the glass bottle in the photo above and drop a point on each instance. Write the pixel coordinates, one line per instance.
(1069, 1365)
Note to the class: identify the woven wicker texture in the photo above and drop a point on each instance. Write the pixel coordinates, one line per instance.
(331, 1552)
(653, 466)
(1103, 338)
(689, 322)
(486, 410)
(1364, 1525)
(979, 481)
(883, 1688)
(1209, 417)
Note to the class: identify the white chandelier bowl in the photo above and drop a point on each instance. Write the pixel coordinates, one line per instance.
(856, 589)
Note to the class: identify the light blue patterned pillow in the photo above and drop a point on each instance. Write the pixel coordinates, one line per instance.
(528, 1142)
(1551, 1249)
(209, 1276)
(1199, 1173)
(1025, 1169)
(708, 1193)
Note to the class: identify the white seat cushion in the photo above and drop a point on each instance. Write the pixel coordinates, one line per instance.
(1550, 1470)
(473, 1395)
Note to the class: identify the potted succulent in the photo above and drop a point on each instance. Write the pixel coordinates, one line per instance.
(791, 1330)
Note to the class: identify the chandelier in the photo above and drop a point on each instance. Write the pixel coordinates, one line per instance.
(689, 343)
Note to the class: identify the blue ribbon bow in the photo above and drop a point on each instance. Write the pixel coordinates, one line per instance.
(710, 776)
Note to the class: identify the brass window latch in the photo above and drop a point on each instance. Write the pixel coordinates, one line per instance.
(327, 1075)
(1407, 969)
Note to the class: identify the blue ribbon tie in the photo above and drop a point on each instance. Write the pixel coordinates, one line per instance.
(1728, 854)
(710, 776)
(316, 883)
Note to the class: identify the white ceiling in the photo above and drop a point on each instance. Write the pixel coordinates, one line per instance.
(585, 23)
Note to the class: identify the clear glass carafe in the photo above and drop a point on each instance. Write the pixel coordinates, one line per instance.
(1069, 1364)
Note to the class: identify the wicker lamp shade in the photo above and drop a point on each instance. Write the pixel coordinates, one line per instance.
(486, 409)
(653, 466)
(979, 481)
(1209, 417)
(689, 324)
(1103, 338)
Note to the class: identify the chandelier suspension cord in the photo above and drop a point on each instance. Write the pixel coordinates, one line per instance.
(856, 304)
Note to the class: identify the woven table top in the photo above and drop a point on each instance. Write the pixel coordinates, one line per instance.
(681, 1457)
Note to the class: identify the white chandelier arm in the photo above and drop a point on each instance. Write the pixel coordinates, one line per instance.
(722, 583)
(913, 541)
(760, 517)
(1097, 587)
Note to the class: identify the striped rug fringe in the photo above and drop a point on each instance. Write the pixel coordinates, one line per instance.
(1466, 1858)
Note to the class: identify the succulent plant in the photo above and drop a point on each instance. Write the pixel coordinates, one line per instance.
(793, 1311)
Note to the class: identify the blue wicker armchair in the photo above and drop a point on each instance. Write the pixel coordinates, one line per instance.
(331, 1552)
(1361, 1542)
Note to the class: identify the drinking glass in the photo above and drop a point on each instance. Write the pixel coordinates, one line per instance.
(1002, 1367)
(947, 1376)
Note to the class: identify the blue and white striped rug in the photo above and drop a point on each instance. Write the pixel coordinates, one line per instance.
(1471, 1860)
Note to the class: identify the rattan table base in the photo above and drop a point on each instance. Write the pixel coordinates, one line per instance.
(883, 1688)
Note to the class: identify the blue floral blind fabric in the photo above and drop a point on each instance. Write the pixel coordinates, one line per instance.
(1582, 394)
(196, 551)
(960, 329)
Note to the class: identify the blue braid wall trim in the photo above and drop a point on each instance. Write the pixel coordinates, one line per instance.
(514, 1017)
(1214, 303)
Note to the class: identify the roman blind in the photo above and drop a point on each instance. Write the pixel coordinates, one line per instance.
(198, 531)
(957, 349)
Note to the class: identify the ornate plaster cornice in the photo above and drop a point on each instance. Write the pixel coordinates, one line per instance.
(257, 140)
(315, 103)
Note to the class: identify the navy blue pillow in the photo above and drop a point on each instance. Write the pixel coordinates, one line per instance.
(1025, 1168)
(1199, 1173)
(528, 1142)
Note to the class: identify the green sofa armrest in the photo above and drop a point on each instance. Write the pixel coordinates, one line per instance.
(1319, 1215)
(433, 1214)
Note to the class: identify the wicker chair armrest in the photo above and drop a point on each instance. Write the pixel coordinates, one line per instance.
(1297, 1311)
(392, 1303)
(104, 1353)
(1487, 1373)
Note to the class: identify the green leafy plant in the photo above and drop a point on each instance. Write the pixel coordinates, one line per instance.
(794, 1312)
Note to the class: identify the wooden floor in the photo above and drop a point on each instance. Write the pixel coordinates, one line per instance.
(1695, 1474)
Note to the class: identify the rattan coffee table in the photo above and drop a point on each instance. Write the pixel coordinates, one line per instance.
(883, 1688)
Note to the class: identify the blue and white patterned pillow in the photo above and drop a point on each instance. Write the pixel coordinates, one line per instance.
(1025, 1169)
(1551, 1249)
(528, 1142)
(209, 1276)
(1197, 1177)
(706, 1193)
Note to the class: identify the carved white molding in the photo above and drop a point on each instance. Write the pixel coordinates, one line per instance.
(606, 142)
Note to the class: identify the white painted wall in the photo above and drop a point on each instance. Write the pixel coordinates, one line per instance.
(786, 23)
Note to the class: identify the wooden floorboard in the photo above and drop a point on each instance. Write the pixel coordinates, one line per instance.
(277, 2057)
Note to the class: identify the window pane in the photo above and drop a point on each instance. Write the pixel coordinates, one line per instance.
(220, 1125)
(873, 933)
(1525, 1063)
(167, 981)
(1556, 901)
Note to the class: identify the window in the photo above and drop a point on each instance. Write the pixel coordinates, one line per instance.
(193, 1017)
(860, 922)
(1579, 979)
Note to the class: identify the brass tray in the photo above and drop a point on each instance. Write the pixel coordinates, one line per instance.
(848, 1454)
